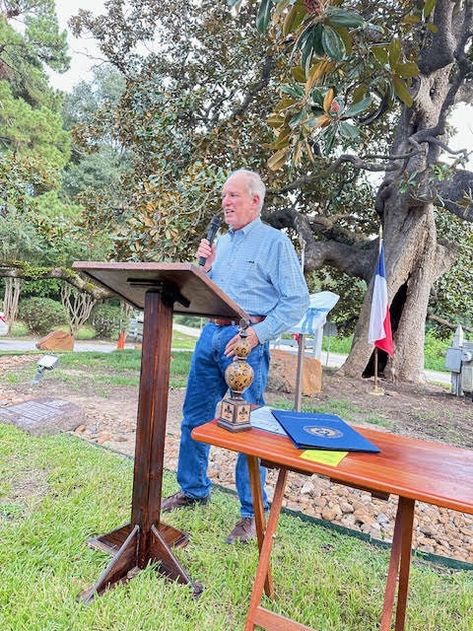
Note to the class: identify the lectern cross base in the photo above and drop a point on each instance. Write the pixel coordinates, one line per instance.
(123, 544)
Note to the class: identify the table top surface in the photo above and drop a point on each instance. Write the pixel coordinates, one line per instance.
(428, 471)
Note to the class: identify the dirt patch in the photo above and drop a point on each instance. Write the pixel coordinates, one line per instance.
(428, 412)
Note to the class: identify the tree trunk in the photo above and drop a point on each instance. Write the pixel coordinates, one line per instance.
(414, 261)
(10, 300)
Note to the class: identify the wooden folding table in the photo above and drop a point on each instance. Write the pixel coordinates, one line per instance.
(412, 469)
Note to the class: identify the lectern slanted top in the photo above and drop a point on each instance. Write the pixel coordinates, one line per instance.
(161, 289)
(130, 281)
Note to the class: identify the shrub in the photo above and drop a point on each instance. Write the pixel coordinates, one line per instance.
(41, 315)
(18, 329)
(108, 320)
(86, 332)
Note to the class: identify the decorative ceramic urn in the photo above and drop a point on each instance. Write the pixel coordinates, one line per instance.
(234, 410)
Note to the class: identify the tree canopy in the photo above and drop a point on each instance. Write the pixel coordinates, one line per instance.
(341, 105)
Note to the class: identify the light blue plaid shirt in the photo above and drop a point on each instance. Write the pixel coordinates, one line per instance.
(258, 268)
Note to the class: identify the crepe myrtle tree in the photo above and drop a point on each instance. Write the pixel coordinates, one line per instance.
(355, 64)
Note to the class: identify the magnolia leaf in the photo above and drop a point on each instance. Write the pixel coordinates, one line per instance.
(429, 7)
(359, 92)
(309, 152)
(329, 139)
(433, 28)
(297, 153)
(407, 70)
(318, 70)
(296, 91)
(284, 103)
(358, 107)
(277, 160)
(264, 14)
(380, 52)
(341, 17)
(298, 74)
(312, 45)
(283, 139)
(275, 120)
(293, 18)
(317, 96)
(323, 121)
(394, 51)
(328, 99)
(298, 119)
(332, 43)
(347, 130)
(401, 91)
(411, 19)
(346, 38)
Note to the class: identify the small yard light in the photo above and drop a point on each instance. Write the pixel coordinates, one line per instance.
(47, 362)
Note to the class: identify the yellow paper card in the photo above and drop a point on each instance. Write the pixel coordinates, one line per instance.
(332, 458)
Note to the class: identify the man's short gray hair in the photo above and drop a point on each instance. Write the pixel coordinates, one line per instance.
(255, 184)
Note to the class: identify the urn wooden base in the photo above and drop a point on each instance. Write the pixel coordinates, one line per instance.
(234, 415)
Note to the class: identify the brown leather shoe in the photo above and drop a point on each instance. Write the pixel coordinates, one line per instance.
(180, 500)
(244, 531)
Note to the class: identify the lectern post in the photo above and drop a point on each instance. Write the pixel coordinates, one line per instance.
(161, 289)
(145, 539)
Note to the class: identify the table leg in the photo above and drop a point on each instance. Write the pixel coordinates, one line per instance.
(405, 564)
(253, 464)
(265, 552)
(399, 566)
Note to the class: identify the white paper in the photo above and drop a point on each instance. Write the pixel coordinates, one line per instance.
(262, 418)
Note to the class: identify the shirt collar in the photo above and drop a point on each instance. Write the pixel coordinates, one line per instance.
(248, 228)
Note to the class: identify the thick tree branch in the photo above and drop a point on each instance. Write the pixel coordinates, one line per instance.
(357, 161)
(442, 49)
(456, 193)
(446, 323)
(256, 88)
(463, 70)
(355, 259)
(17, 270)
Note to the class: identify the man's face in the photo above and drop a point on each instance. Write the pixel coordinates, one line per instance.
(239, 207)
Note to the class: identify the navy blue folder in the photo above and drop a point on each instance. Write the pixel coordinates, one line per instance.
(314, 430)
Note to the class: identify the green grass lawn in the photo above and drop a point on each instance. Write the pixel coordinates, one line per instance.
(434, 349)
(57, 491)
(103, 371)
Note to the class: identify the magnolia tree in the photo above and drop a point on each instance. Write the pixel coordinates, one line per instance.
(355, 64)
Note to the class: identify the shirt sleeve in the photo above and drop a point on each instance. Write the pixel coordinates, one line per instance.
(288, 280)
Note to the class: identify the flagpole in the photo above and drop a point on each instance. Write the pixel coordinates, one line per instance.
(376, 389)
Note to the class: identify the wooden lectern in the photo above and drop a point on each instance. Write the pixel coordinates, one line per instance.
(161, 289)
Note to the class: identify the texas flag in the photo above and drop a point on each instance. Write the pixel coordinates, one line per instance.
(380, 333)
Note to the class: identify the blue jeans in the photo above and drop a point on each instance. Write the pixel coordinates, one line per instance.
(205, 388)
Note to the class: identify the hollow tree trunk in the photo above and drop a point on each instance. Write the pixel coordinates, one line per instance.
(414, 260)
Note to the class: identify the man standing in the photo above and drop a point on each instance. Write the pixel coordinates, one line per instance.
(257, 267)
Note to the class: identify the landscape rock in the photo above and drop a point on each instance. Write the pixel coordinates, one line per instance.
(283, 373)
(56, 341)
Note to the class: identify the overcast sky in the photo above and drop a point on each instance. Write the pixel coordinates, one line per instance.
(85, 54)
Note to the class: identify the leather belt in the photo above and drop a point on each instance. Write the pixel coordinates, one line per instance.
(230, 322)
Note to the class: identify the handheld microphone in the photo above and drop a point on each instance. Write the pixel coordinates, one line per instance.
(211, 232)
